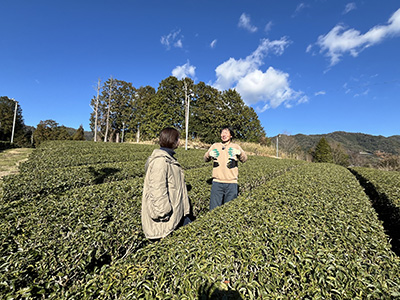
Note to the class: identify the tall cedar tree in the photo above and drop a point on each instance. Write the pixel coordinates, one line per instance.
(323, 152)
(79, 135)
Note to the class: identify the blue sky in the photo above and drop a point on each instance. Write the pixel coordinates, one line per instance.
(309, 67)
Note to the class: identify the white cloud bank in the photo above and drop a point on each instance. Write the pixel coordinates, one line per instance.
(272, 87)
(186, 70)
(340, 41)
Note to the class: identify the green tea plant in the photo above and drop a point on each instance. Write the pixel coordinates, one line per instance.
(308, 234)
(70, 228)
(386, 183)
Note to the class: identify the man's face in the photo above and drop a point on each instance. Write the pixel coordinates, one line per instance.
(225, 135)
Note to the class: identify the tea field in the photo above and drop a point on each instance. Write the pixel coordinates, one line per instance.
(70, 228)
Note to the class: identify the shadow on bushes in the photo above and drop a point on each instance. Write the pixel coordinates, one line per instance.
(387, 212)
(101, 175)
(211, 292)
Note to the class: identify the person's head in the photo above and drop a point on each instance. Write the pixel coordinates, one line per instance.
(169, 138)
(226, 134)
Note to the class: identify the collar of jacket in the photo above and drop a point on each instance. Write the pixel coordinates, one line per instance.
(171, 152)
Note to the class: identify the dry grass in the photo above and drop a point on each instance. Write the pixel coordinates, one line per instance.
(10, 160)
(249, 148)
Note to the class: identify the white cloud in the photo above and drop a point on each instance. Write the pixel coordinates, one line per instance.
(364, 93)
(268, 27)
(340, 41)
(245, 22)
(271, 87)
(299, 8)
(320, 93)
(173, 39)
(213, 44)
(183, 71)
(229, 72)
(349, 7)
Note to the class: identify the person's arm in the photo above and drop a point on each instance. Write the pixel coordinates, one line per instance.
(158, 198)
(239, 153)
(242, 156)
(210, 154)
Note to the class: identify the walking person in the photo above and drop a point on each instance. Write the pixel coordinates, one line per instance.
(165, 202)
(225, 156)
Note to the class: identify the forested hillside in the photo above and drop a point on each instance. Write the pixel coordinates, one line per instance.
(353, 142)
(361, 149)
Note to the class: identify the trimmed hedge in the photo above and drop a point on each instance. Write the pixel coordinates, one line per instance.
(61, 154)
(383, 187)
(55, 181)
(308, 234)
(386, 183)
(297, 230)
(54, 234)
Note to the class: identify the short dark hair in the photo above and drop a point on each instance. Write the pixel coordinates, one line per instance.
(230, 130)
(168, 137)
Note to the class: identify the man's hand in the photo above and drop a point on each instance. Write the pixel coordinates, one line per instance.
(234, 152)
(214, 154)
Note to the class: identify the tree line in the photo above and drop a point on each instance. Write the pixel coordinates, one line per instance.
(121, 111)
(22, 134)
(28, 136)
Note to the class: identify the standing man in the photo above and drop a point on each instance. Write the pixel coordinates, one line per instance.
(225, 168)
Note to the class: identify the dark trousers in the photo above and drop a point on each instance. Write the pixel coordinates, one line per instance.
(222, 193)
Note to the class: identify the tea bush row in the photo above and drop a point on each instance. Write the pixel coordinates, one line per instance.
(54, 181)
(308, 234)
(60, 154)
(383, 187)
(386, 183)
(50, 242)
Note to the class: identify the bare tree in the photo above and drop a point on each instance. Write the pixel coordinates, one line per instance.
(96, 110)
(289, 145)
(108, 109)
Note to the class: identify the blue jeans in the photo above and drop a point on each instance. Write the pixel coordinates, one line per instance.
(222, 193)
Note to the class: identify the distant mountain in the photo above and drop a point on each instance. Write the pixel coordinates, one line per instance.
(352, 142)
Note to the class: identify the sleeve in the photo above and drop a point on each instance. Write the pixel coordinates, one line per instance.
(158, 198)
(207, 157)
(243, 155)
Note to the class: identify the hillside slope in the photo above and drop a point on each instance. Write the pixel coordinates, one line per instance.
(353, 142)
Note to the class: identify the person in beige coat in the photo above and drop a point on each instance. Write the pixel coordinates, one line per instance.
(165, 202)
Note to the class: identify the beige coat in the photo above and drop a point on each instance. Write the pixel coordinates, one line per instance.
(165, 200)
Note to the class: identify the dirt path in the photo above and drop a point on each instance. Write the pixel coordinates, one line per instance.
(10, 160)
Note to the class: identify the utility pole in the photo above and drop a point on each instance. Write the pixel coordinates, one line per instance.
(187, 110)
(15, 117)
(186, 114)
(109, 108)
(277, 148)
(123, 131)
